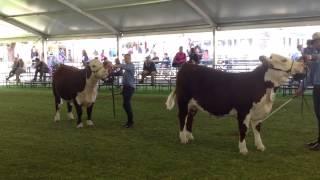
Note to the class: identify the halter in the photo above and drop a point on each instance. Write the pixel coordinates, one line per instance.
(287, 71)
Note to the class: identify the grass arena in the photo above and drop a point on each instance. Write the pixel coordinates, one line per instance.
(33, 146)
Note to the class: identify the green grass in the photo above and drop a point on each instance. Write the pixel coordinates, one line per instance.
(32, 146)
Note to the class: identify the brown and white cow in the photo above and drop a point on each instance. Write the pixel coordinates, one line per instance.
(79, 87)
(248, 95)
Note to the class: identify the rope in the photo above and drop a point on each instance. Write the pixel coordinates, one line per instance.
(279, 108)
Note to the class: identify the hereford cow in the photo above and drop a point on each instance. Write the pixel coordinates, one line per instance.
(79, 87)
(247, 95)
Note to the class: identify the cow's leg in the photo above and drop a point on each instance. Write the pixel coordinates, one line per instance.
(188, 128)
(58, 103)
(243, 122)
(70, 115)
(79, 113)
(89, 112)
(256, 125)
(183, 111)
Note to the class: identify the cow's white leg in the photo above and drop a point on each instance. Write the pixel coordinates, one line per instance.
(58, 102)
(80, 125)
(257, 138)
(243, 147)
(183, 134)
(90, 123)
(57, 116)
(243, 130)
(70, 116)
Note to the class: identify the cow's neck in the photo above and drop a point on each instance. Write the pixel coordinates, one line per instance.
(276, 77)
(91, 82)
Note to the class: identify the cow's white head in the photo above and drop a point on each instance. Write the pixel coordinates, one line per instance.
(281, 68)
(97, 69)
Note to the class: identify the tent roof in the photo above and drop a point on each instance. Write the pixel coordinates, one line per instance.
(62, 18)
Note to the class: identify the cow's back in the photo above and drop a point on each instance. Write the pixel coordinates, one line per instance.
(68, 81)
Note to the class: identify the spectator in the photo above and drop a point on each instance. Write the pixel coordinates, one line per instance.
(34, 55)
(194, 58)
(102, 56)
(128, 87)
(42, 68)
(85, 58)
(166, 60)
(149, 68)
(17, 69)
(297, 54)
(117, 71)
(155, 58)
(180, 58)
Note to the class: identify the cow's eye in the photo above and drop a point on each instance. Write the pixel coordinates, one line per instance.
(284, 60)
(93, 66)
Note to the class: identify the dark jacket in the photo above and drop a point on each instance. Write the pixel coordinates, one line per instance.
(149, 66)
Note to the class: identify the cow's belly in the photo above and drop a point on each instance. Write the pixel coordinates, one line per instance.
(86, 97)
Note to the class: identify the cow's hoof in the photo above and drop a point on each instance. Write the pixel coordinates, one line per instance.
(80, 125)
(189, 136)
(244, 151)
(70, 116)
(90, 123)
(56, 117)
(183, 137)
(261, 148)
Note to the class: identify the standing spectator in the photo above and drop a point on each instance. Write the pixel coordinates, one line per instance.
(85, 58)
(42, 68)
(297, 54)
(149, 68)
(17, 69)
(34, 55)
(102, 56)
(128, 87)
(194, 58)
(180, 58)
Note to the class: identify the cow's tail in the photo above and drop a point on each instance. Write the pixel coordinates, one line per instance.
(171, 100)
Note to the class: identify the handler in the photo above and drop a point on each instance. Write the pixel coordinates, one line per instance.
(313, 61)
(128, 87)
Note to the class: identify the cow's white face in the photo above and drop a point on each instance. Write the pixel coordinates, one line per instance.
(287, 65)
(97, 69)
(280, 69)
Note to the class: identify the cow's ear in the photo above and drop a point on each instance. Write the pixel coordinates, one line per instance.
(88, 72)
(268, 63)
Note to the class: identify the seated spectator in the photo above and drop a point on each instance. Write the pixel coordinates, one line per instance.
(42, 68)
(194, 58)
(166, 60)
(180, 58)
(155, 58)
(149, 68)
(17, 69)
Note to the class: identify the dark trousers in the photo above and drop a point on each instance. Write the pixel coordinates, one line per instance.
(316, 105)
(42, 75)
(127, 93)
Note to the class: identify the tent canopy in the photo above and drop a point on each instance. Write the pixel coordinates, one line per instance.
(58, 18)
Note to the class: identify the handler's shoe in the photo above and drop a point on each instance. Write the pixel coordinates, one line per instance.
(310, 144)
(128, 125)
(316, 147)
